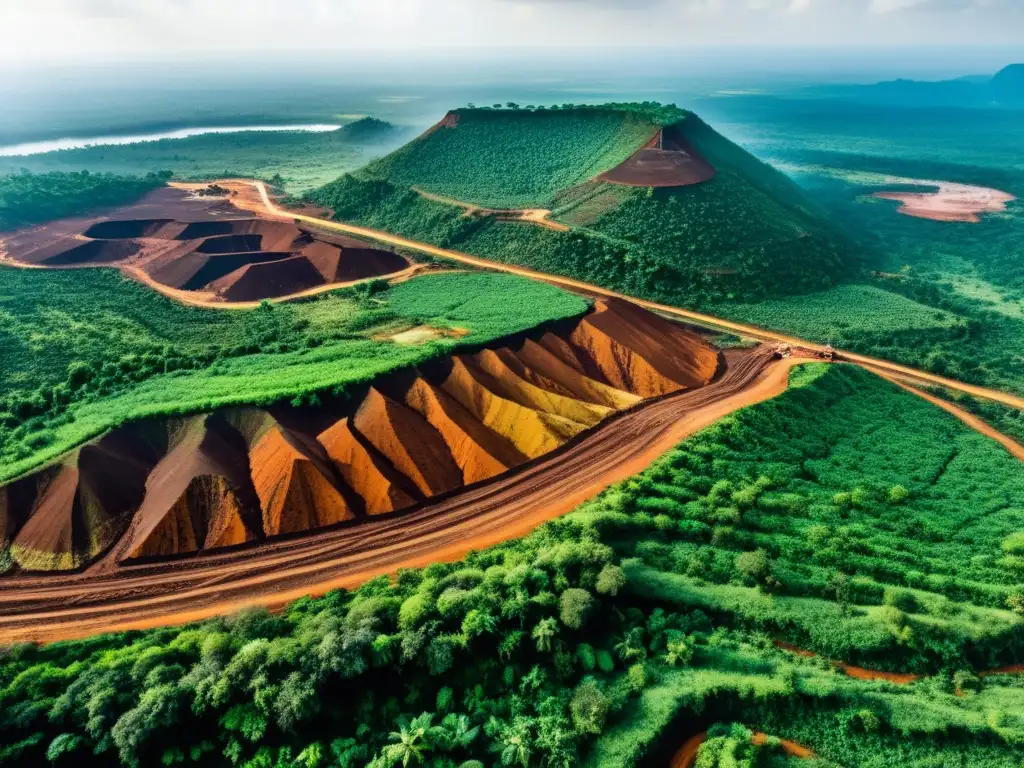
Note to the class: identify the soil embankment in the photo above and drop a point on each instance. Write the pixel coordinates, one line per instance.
(242, 475)
(143, 594)
(667, 160)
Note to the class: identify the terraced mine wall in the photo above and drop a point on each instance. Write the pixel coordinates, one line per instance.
(238, 259)
(181, 486)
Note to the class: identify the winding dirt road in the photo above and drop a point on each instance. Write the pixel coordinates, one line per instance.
(62, 607)
(751, 331)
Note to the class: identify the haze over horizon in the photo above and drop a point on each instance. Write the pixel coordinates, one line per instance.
(80, 31)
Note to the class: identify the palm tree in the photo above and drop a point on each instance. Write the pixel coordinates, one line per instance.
(411, 741)
(457, 731)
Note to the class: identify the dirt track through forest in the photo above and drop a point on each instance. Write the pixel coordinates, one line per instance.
(1013, 401)
(274, 573)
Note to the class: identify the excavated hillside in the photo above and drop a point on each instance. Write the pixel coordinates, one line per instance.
(175, 487)
(230, 259)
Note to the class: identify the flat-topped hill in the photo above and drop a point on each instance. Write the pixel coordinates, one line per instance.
(645, 199)
(516, 158)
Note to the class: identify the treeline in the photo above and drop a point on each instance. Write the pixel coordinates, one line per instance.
(566, 647)
(651, 111)
(30, 198)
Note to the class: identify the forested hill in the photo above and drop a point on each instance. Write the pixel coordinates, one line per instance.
(731, 227)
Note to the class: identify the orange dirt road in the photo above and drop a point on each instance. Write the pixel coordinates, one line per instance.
(686, 756)
(274, 573)
(1015, 448)
(751, 331)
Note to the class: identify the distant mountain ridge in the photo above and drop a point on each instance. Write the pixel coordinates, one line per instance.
(1005, 89)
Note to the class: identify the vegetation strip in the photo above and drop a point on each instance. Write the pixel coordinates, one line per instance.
(746, 330)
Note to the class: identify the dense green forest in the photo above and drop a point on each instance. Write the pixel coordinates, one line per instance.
(30, 198)
(887, 534)
(294, 160)
(82, 351)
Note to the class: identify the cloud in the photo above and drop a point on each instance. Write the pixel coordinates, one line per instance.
(50, 30)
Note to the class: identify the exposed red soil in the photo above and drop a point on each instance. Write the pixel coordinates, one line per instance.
(667, 160)
(860, 673)
(479, 453)
(82, 506)
(295, 495)
(791, 748)
(686, 756)
(380, 486)
(199, 496)
(949, 202)
(244, 474)
(637, 351)
(275, 572)
(413, 447)
(212, 252)
(267, 279)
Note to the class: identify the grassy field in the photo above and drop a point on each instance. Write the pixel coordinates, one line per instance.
(888, 531)
(82, 351)
(295, 160)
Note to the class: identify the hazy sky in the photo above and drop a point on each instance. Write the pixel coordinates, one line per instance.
(37, 31)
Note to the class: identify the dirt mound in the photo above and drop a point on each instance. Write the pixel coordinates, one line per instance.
(94, 252)
(351, 262)
(84, 505)
(531, 432)
(242, 474)
(230, 244)
(479, 453)
(368, 474)
(196, 270)
(264, 280)
(506, 382)
(211, 253)
(127, 229)
(639, 352)
(295, 495)
(668, 160)
(571, 379)
(200, 496)
(413, 447)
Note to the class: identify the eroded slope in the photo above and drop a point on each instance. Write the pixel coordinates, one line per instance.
(175, 487)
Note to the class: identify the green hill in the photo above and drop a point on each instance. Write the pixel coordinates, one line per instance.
(748, 232)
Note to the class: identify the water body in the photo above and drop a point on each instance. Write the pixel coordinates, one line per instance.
(52, 145)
